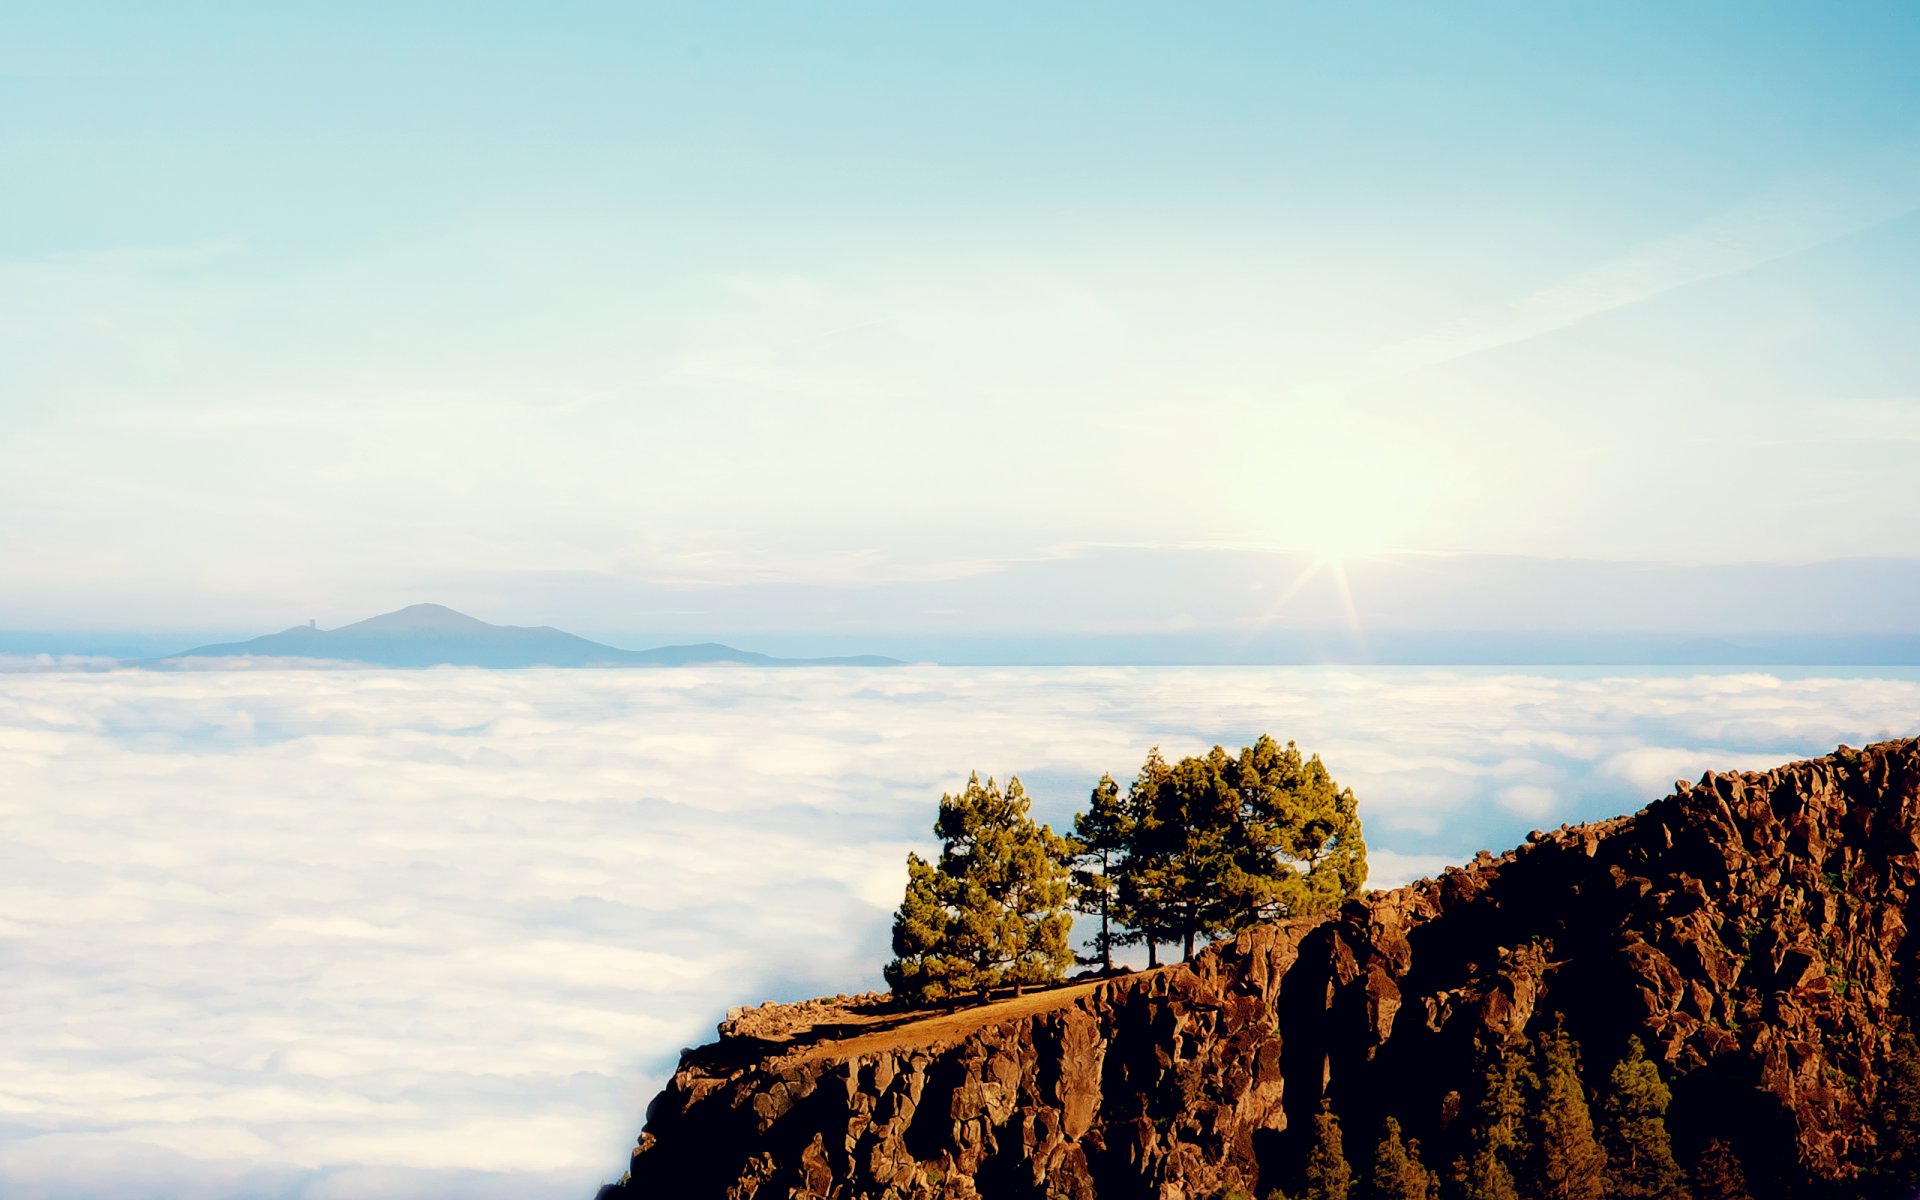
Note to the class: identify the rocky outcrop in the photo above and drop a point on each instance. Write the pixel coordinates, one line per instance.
(1751, 929)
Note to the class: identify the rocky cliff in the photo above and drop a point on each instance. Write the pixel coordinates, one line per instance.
(1751, 929)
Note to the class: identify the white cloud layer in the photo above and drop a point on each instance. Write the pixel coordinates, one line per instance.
(371, 934)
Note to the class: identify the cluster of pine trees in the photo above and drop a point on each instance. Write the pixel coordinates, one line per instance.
(1209, 845)
(1190, 851)
(1532, 1133)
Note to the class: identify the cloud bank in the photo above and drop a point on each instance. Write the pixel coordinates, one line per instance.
(372, 934)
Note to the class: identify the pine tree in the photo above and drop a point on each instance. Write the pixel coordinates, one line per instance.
(1397, 1171)
(1483, 1175)
(1897, 1118)
(1200, 808)
(1212, 844)
(1327, 1177)
(1640, 1163)
(1498, 1141)
(1568, 1161)
(1508, 1091)
(1302, 844)
(921, 928)
(1143, 900)
(1718, 1174)
(992, 911)
(1102, 832)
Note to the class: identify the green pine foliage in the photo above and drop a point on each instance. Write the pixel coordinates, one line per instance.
(1897, 1119)
(1327, 1177)
(1202, 877)
(1569, 1163)
(1210, 845)
(1484, 1175)
(993, 910)
(1500, 1140)
(1296, 815)
(1718, 1175)
(1507, 1096)
(1640, 1162)
(1190, 850)
(1143, 872)
(1397, 1170)
(1101, 834)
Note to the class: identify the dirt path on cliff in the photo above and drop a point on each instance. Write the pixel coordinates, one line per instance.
(937, 1028)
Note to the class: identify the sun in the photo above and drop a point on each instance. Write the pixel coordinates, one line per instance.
(1341, 537)
(1323, 550)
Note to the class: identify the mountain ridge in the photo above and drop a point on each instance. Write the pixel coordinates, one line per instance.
(1750, 929)
(431, 635)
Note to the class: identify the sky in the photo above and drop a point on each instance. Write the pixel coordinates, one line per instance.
(830, 322)
(415, 934)
(975, 333)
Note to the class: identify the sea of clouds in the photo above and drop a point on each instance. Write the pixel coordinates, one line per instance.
(418, 934)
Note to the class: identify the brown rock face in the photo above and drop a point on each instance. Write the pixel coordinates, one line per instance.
(1751, 929)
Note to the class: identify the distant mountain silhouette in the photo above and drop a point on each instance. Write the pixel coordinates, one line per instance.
(433, 635)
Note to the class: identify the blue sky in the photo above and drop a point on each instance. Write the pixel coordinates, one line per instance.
(697, 315)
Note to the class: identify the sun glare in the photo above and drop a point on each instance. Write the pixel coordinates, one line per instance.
(1346, 534)
(1326, 547)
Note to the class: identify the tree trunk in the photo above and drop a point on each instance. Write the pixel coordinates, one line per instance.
(1186, 954)
(1153, 954)
(1106, 938)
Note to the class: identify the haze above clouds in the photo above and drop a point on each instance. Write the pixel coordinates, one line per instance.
(414, 934)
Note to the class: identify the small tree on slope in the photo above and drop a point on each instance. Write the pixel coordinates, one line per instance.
(1327, 1177)
(1501, 1145)
(992, 911)
(1397, 1170)
(1897, 1120)
(1569, 1163)
(1640, 1163)
(1481, 1175)
(1718, 1174)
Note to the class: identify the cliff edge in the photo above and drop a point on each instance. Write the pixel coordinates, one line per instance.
(1750, 929)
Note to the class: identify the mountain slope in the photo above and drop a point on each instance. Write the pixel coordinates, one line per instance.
(1751, 929)
(429, 635)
